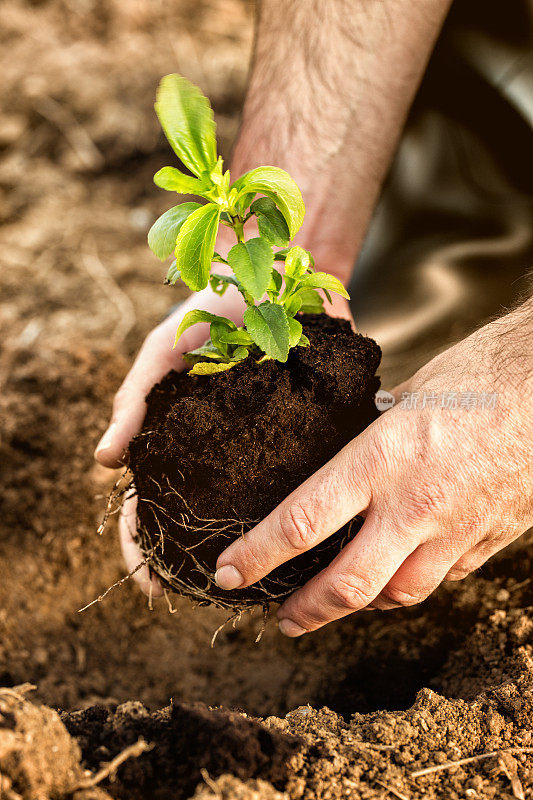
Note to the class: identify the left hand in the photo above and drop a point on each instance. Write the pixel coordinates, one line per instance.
(441, 489)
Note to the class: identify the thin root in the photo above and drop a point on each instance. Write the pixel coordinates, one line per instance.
(100, 597)
(133, 751)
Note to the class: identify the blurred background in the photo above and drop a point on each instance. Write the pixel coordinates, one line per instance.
(450, 245)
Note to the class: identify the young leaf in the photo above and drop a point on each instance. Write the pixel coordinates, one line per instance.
(217, 330)
(273, 288)
(280, 187)
(195, 246)
(252, 263)
(240, 337)
(322, 280)
(172, 180)
(173, 274)
(268, 326)
(187, 120)
(164, 232)
(207, 350)
(270, 221)
(293, 304)
(297, 262)
(312, 303)
(295, 331)
(193, 317)
(240, 353)
(209, 367)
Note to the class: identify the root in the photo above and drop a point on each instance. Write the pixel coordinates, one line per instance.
(263, 625)
(147, 560)
(171, 609)
(114, 500)
(449, 764)
(235, 618)
(133, 751)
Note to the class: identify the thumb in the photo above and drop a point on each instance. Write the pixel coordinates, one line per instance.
(155, 359)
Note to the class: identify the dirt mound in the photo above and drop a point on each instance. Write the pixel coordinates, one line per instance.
(438, 749)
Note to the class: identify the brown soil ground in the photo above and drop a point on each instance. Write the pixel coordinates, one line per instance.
(78, 291)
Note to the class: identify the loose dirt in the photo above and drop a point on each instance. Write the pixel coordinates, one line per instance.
(370, 700)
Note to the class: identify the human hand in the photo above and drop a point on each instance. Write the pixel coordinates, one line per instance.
(441, 489)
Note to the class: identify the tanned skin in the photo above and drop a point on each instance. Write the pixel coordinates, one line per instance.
(442, 489)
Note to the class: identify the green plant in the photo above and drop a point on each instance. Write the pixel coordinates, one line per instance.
(273, 299)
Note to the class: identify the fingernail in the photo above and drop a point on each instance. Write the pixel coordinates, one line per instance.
(107, 440)
(290, 628)
(228, 577)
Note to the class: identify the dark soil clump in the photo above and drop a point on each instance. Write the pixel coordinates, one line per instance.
(217, 454)
(188, 741)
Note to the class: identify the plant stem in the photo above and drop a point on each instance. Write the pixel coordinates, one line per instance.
(238, 227)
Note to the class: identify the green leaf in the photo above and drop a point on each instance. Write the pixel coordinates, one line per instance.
(323, 280)
(187, 120)
(270, 221)
(297, 262)
(304, 341)
(173, 274)
(295, 331)
(312, 303)
(217, 329)
(164, 232)
(219, 283)
(281, 255)
(207, 350)
(268, 326)
(193, 317)
(252, 263)
(195, 246)
(293, 304)
(209, 367)
(172, 180)
(280, 187)
(240, 337)
(240, 353)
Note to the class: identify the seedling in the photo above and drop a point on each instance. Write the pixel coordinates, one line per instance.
(273, 299)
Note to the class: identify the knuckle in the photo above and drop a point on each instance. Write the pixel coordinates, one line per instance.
(458, 574)
(424, 502)
(297, 528)
(350, 592)
(394, 594)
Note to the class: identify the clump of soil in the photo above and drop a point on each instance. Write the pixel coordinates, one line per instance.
(188, 742)
(217, 454)
(38, 758)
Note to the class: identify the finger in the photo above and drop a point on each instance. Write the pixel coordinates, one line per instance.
(418, 577)
(322, 505)
(155, 359)
(132, 555)
(475, 558)
(352, 581)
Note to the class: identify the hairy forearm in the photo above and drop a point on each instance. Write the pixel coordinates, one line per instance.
(330, 86)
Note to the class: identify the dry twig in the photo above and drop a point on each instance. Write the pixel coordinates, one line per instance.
(392, 791)
(449, 764)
